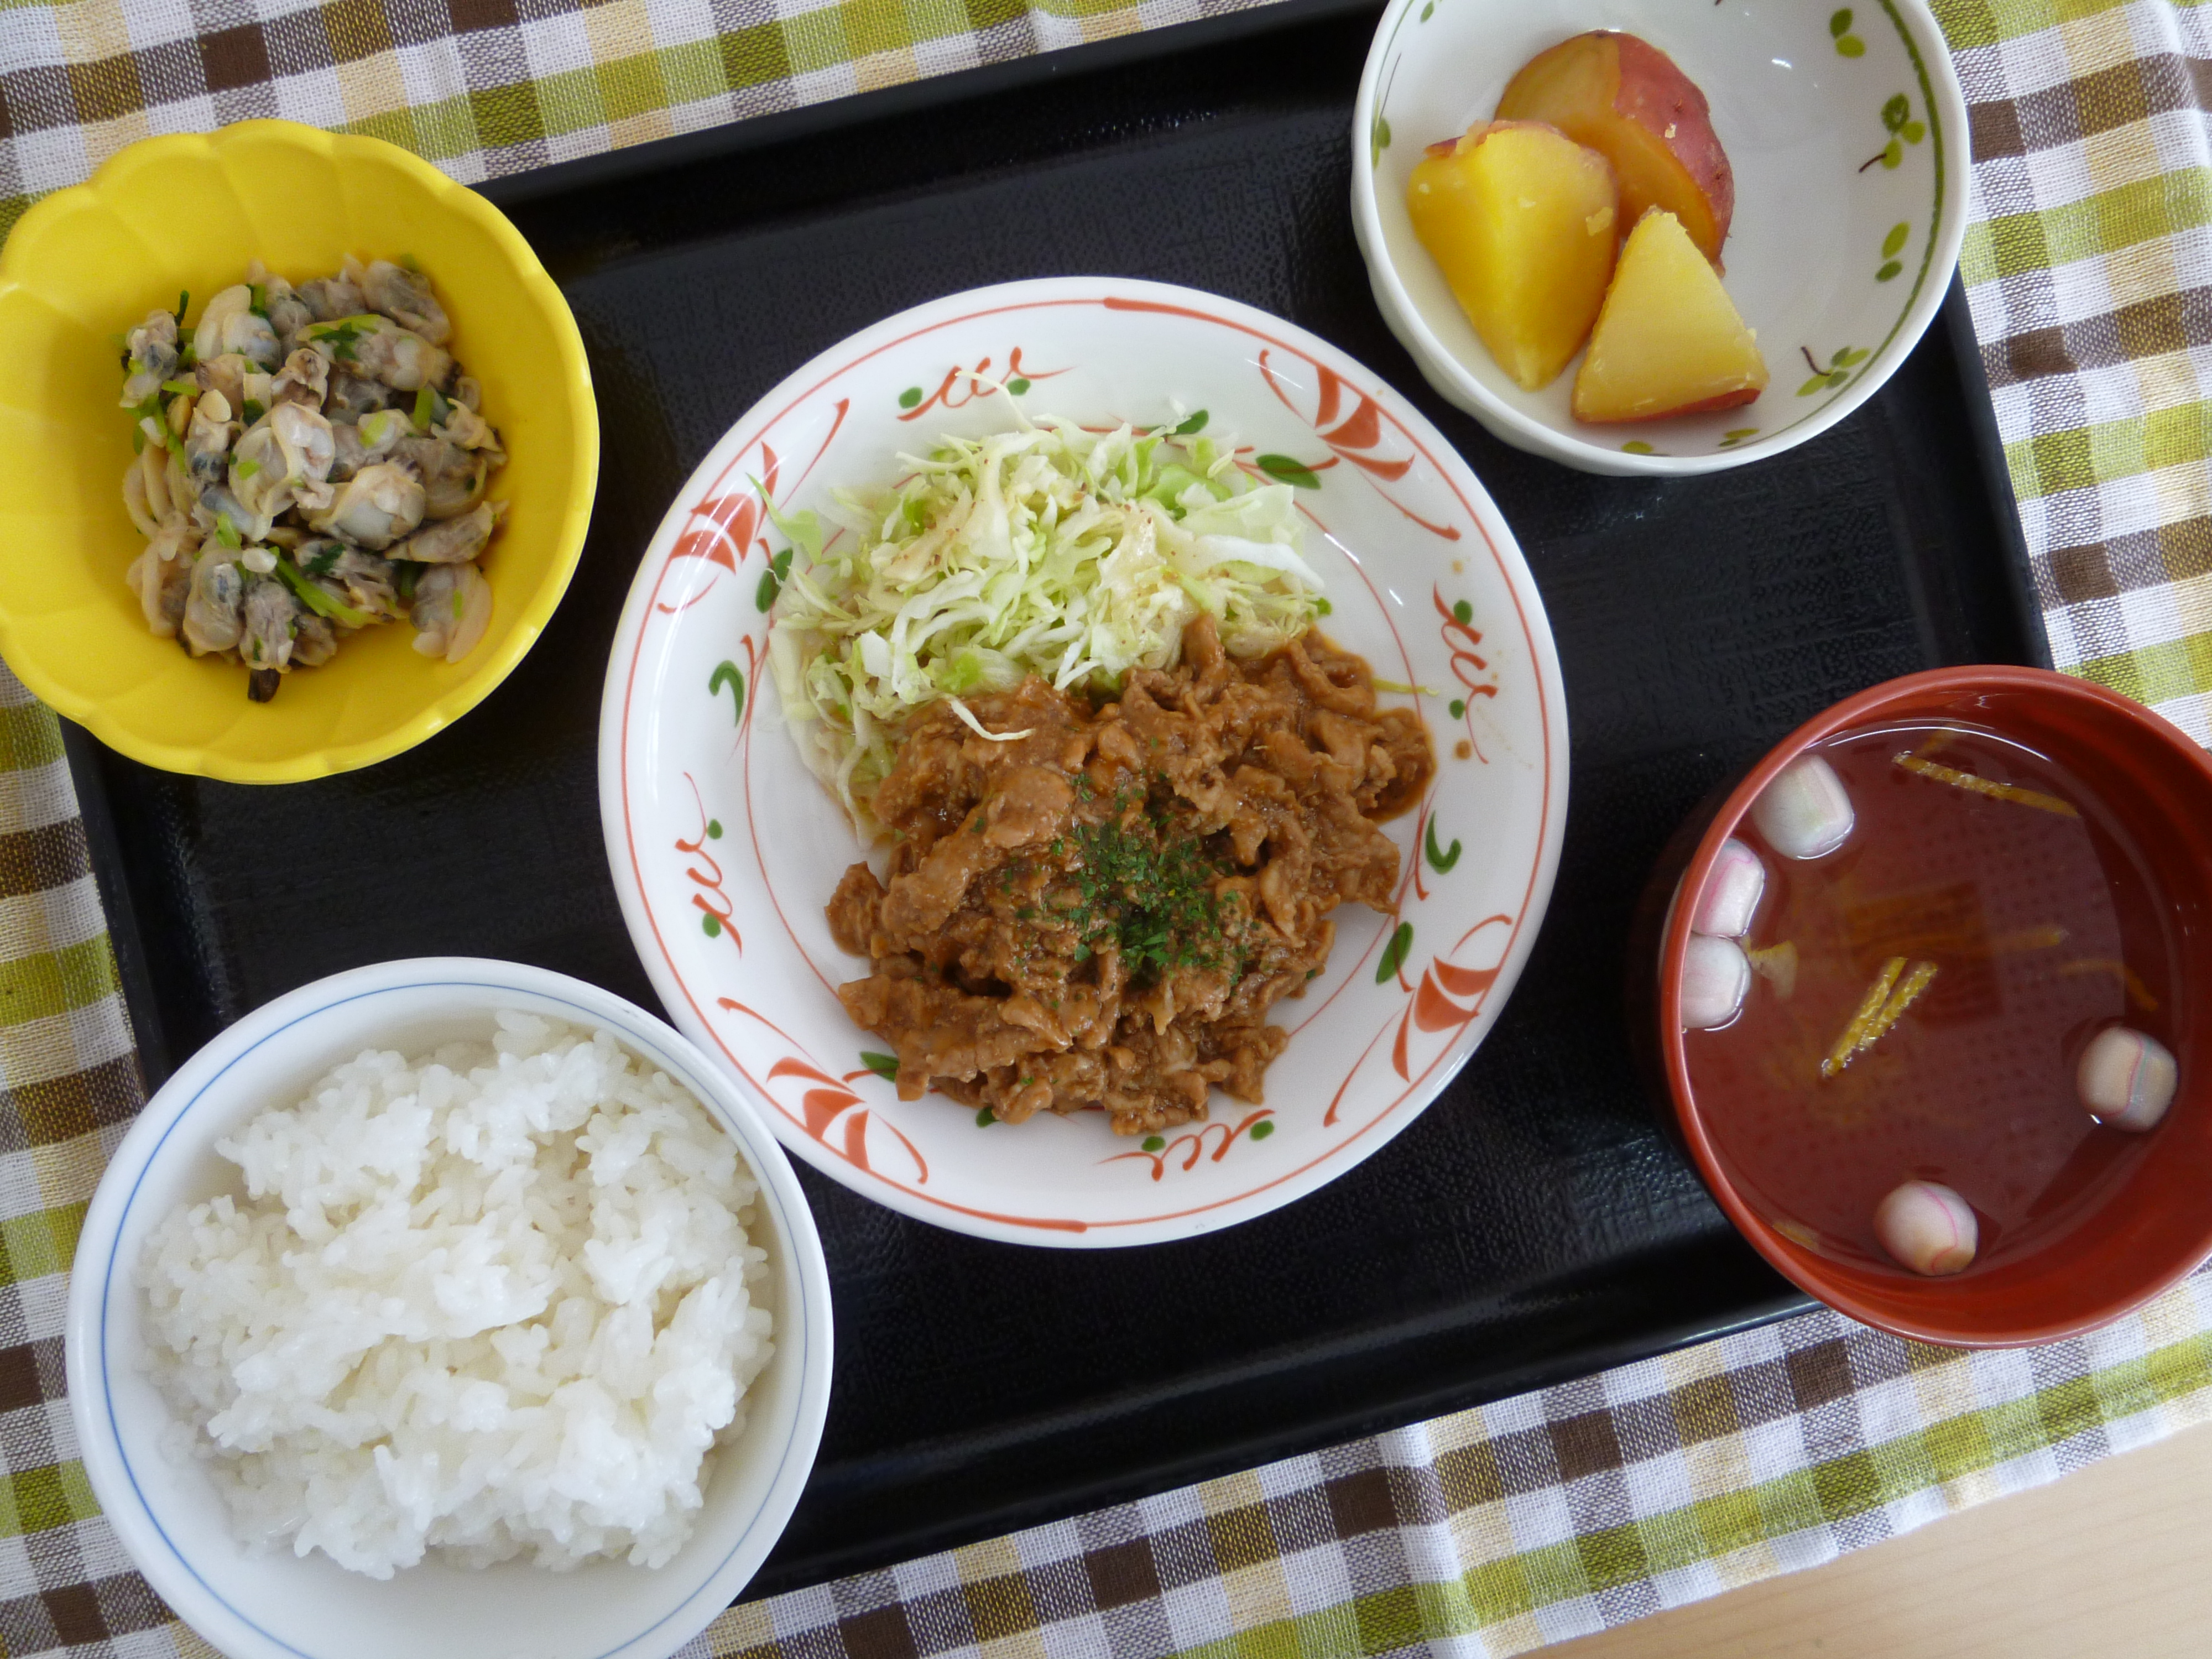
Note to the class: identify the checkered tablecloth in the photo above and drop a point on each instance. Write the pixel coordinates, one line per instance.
(2089, 267)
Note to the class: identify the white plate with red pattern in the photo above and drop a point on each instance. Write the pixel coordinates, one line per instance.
(725, 848)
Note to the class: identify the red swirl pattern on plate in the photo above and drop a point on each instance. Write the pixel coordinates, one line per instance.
(979, 383)
(1159, 1152)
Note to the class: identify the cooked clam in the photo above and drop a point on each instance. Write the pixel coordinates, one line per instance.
(161, 577)
(151, 357)
(453, 478)
(268, 615)
(211, 621)
(351, 396)
(329, 298)
(154, 467)
(220, 515)
(451, 609)
(315, 642)
(303, 437)
(184, 489)
(404, 296)
(374, 437)
(259, 477)
(304, 379)
(464, 427)
(452, 541)
(381, 504)
(286, 312)
(226, 374)
(230, 324)
(208, 441)
(379, 349)
(134, 499)
(286, 441)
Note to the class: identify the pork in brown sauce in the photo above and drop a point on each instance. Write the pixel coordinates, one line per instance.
(1099, 913)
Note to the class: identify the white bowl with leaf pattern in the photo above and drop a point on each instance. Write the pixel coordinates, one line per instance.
(1847, 133)
(725, 848)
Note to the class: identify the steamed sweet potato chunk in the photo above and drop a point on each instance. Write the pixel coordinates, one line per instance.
(1669, 340)
(1626, 99)
(1520, 220)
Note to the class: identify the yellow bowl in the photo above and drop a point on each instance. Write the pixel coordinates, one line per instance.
(187, 213)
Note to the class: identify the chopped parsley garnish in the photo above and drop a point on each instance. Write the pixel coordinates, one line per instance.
(1151, 893)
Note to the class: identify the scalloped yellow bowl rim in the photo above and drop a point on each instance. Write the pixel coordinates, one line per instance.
(74, 273)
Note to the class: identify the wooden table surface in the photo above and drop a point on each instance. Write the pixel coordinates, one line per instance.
(2110, 1563)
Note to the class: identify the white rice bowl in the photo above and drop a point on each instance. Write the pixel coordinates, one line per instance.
(495, 1301)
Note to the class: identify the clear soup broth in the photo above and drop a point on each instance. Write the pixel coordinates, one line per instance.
(2042, 925)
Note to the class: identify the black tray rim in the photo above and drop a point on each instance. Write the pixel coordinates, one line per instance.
(771, 128)
(83, 753)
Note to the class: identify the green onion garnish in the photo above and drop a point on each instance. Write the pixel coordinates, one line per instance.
(318, 600)
(341, 335)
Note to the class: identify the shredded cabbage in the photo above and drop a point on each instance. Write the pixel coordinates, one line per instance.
(1047, 550)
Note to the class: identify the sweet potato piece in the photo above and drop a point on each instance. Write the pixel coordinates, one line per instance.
(1669, 340)
(1626, 99)
(1522, 220)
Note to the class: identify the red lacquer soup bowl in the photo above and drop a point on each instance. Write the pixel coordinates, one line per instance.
(2147, 1221)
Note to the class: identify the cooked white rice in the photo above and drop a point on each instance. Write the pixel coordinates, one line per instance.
(491, 1300)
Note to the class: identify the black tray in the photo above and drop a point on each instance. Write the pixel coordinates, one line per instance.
(1534, 1225)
